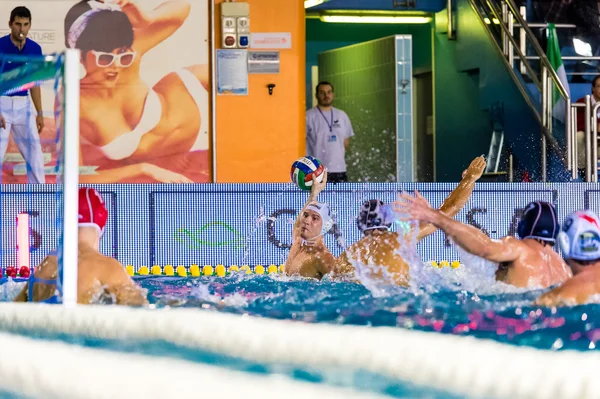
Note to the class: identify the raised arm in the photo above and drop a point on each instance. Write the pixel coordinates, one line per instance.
(457, 199)
(315, 190)
(157, 25)
(470, 238)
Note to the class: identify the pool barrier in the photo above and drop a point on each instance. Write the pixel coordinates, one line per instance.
(22, 273)
(465, 366)
(206, 270)
(223, 271)
(50, 369)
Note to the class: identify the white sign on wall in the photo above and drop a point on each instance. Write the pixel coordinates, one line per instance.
(271, 40)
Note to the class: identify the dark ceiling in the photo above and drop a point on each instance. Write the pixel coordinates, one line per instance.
(397, 5)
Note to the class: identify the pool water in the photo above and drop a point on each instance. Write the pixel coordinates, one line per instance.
(498, 312)
(504, 317)
(7, 395)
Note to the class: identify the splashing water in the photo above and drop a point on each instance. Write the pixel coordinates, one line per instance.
(508, 316)
(10, 289)
(262, 218)
(377, 277)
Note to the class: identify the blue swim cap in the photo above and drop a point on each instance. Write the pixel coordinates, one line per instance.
(580, 236)
(539, 221)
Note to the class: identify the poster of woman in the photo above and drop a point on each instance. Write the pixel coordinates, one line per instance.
(145, 88)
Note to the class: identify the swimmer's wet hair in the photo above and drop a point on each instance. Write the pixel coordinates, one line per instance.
(106, 30)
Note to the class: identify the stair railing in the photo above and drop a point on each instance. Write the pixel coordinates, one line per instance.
(506, 15)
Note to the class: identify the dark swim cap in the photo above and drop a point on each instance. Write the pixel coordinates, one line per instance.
(539, 221)
(373, 215)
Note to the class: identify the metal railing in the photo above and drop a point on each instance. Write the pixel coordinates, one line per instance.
(590, 137)
(592, 161)
(508, 17)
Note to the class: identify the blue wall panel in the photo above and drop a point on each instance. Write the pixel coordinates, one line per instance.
(252, 224)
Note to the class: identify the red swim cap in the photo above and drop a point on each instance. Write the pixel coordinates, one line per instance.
(92, 211)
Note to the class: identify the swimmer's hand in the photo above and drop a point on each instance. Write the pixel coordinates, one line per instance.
(163, 175)
(475, 169)
(414, 208)
(317, 187)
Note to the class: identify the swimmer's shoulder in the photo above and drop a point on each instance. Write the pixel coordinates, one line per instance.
(111, 263)
(98, 262)
(513, 243)
(385, 240)
(328, 256)
(111, 271)
(342, 263)
(512, 240)
(47, 268)
(576, 290)
(325, 261)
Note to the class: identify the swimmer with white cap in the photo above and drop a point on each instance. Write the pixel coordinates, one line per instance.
(579, 242)
(377, 251)
(309, 257)
(100, 279)
(530, 261)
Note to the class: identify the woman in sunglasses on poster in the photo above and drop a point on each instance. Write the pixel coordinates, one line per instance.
(132, 131)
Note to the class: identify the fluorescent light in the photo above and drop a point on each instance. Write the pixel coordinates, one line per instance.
(352, 19)
(312, 3)
(582, 48)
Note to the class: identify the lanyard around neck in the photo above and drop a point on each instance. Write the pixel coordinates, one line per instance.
(329, 124)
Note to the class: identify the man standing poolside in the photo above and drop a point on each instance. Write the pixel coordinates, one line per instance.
(328, 133)
(17, 114)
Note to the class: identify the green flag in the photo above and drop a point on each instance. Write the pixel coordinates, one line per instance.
(553, 54)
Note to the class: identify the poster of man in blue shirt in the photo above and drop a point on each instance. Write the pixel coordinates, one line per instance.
(20, 114)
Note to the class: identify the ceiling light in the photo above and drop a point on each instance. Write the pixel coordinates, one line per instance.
(375, 19)
(312, 3)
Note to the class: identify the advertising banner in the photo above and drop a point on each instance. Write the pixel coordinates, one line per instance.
(145, 89)
(252, 224)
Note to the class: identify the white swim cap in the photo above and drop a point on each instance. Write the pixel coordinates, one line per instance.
(579, 238)
(323, 210)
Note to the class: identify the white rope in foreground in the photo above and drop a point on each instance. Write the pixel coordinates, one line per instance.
(463, 365)
(45, 369)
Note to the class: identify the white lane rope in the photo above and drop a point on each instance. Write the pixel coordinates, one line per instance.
(463, 365)
(47, 369)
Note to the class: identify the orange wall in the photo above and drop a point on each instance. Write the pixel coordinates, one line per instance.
(258, 136)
